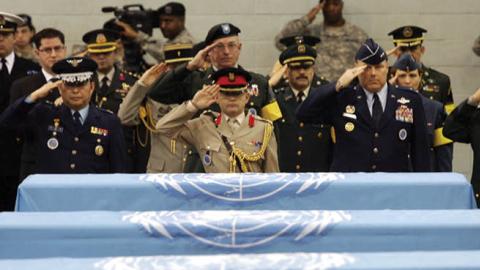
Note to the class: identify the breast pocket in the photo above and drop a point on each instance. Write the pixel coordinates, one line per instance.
(210, 154)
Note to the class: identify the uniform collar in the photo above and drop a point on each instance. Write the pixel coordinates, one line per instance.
(47, 75)
(305, 92)
(240, 118)
(109, 75)
(382, 95)
(83, 113)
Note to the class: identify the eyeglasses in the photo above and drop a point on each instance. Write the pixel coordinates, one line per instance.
(50, 50)
(230, 46)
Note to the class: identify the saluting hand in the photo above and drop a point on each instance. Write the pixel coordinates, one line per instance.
(393, 80)
(475, 98)
(393, 51)
(348, 76)
(153, 74)
(312, 14)
(206, 97)
(277, 75)
(200, 58)
(44, 90)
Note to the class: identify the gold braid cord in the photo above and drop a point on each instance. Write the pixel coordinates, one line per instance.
(147, 119)
(253, 157)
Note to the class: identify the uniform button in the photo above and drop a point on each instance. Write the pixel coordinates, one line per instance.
(319, 135)
(129, 151)
(300, 138)
(431, 97)
(299, 153)
(72, 166)
(376, 135)
(76, 139)
(74, 152)
(18, 139)
(184, 147)
(251, 103)
(190, 152)
(297, 167)
(301, 124)
(477, 195)
(431, 149)
(375, 150)
(374, 167)
(184, 159)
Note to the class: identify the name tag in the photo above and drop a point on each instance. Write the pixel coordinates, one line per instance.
(350, 115)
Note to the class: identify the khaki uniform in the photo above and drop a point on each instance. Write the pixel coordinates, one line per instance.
(203, 134)
(166, 155)
(154, 47)
(336, 50)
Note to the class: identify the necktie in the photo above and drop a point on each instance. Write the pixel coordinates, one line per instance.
(300, 97)
(233, 123)
(104, 86)
(76, 120)
(4, 72)
(377, 110)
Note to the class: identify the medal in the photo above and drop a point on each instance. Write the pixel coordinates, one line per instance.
(207, 159)
(52, 143)
(349, 126)
(402, 134)
(98, 150)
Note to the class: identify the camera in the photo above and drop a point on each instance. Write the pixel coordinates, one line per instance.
(135, 15)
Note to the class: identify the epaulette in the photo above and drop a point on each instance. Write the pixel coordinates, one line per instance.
(210, 113)
(105, 110)
(257, 117)
(279, 90)
(135, 75)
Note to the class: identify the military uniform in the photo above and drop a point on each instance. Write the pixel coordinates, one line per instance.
(110, 90)
(166, 155)
(463, 125)
(435, 85)
(302, 147)
(336, 52)
(64, 146)
(257, 141)
(386, 138)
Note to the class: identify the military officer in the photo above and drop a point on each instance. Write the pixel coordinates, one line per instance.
(222, 50)
(12, 67)
(229, 141)
(111, 86)
(435, 85)
(463, 125)
(302, 147)
(167, 155)
(74, 137)
(378, 127)
(406, 74)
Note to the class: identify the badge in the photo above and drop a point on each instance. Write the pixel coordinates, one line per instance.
(207, 159)
(402, 134)
(98, 150)
(252, 111)
(253, 90)
(403, 100)
(349, 126)
(350, 109)
(52, 143)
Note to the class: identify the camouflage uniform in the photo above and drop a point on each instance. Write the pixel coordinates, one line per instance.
(335, 52)
(154, 47)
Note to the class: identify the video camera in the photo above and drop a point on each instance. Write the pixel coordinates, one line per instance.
(136, 16)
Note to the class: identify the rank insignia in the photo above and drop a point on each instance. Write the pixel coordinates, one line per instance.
(403, 100)
(350, 109)
(349, 126)
(99, 150)
(404, 114)
(253, 90)
(98, 131)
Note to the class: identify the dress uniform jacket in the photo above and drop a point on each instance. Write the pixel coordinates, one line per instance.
(463, 125)
(436, 85)
(399, 144)
(137, 153)
(97, 147)
(11, 147)
(20, 89)
(205, 136)
(301, 147)
(166, 155)
(441, 155)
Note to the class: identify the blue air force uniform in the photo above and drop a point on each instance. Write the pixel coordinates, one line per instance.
(399, 142)
(95, 145)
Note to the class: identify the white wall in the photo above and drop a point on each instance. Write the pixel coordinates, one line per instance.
(451, 24)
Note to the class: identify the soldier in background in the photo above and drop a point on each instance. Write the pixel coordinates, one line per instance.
(407, 74)
(24, 38)
(435, 85)
(301, 147)
(167, 155)
(111, 87)
(229, 141)
(172, 25)
(340, 39)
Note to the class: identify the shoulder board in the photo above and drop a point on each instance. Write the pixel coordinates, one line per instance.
(105, 110)
(210, 113)
(279, 90)
(132, 74)
(263, 120)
